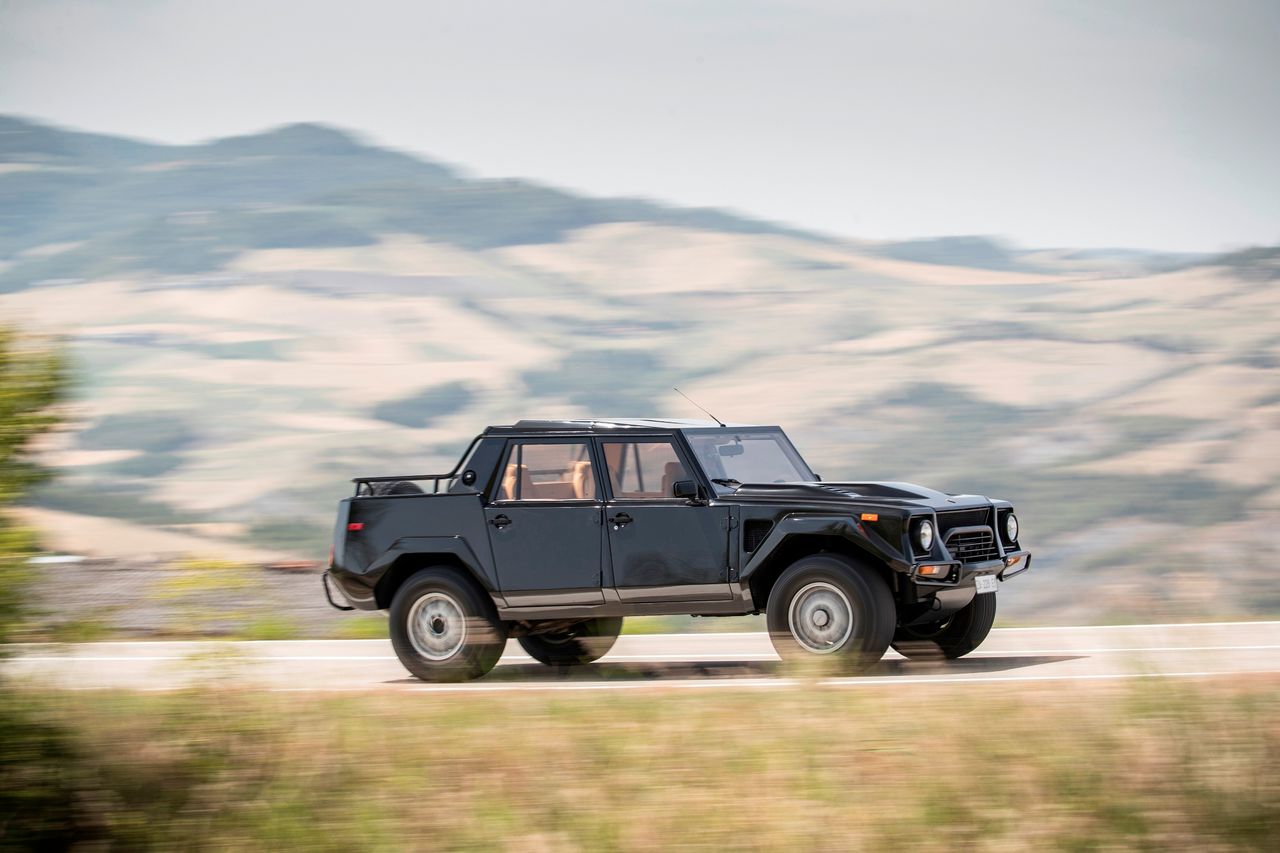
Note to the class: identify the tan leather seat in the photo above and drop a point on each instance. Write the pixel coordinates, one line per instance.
(584, 482)
(520, 472)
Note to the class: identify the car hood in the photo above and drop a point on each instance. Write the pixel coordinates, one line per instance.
(861, 493)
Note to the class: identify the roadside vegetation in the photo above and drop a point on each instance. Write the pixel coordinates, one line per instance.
(1159, 765)
(31, 380)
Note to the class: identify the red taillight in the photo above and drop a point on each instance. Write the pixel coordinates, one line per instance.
(355, 525)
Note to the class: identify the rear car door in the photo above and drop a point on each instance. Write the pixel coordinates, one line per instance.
(661, 547)
(545, 523)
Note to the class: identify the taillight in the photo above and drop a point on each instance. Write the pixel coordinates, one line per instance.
(355, 525)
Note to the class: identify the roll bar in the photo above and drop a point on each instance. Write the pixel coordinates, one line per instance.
(363, 484)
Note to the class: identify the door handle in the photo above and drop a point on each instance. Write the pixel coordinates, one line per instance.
(621, 520)
(499, 521)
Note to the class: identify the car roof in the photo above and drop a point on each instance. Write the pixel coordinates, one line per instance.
(587, 425)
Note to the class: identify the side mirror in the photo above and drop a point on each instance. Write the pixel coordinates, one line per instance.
(685, 489)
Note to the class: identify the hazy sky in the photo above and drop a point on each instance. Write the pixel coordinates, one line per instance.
(1151, 124)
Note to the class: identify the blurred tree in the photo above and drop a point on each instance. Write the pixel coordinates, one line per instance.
(32, 379)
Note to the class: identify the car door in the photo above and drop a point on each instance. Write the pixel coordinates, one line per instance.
(661, 547)
(545, 524)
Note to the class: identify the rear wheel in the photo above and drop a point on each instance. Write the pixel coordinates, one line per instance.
(443, 628)
(831, 607)
(582, 643)
(951, 638)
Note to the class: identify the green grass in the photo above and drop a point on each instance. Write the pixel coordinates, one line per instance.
(361, 626)
(690, 624)
(270, 627)
(1161, 765)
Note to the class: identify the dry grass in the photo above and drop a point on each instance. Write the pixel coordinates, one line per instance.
(1159, 765)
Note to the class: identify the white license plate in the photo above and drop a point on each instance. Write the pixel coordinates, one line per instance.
(985, 583)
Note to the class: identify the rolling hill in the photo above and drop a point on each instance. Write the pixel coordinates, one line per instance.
(255, 320)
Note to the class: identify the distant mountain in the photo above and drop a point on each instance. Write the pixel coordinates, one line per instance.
(991, 253)
(1255, 262)
(111, 206)
(984, 252)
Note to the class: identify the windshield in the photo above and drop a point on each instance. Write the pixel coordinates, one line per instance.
(733, 457)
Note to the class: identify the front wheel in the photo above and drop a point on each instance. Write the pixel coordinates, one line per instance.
(950, 638)
(830, 607)
(443, 628)
(582, 643)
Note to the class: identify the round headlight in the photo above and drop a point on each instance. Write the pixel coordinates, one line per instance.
(1011, 527)
(924, 535)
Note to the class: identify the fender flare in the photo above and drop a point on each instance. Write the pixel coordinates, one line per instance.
(793, 524)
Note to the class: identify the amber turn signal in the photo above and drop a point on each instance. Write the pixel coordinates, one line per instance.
(870, 516)
(930, 571)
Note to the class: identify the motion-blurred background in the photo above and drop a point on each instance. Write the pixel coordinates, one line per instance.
(287, 244)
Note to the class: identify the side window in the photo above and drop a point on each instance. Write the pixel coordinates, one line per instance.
(643, 469)
(548, 472)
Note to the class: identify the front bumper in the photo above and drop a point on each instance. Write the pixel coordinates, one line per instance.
(962, 574)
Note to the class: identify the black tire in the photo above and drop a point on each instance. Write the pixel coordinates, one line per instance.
(950, 638)
(859, 613)
(581, 644)
(444, 628)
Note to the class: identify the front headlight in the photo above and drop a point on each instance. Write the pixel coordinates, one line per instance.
(924, 535)
(1011, 527)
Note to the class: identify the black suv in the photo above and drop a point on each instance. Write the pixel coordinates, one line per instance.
(553, 531)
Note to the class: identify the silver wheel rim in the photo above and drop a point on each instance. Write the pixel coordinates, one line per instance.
(820, 618)
(437, 627)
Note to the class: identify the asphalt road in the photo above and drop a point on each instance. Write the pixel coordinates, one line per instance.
(663, 661)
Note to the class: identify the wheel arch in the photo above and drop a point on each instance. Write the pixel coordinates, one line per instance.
(796, 546)
(405, 564)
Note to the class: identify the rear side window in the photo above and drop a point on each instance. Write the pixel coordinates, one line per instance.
(548, 472)
(643, 469)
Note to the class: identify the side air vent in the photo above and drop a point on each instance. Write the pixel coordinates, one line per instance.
(754, 532)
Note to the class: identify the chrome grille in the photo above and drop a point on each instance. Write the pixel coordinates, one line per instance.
(973, 545)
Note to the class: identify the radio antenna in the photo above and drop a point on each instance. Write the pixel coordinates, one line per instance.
(704, 411)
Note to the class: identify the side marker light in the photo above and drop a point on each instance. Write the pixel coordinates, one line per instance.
(870, 516)
(356, 525)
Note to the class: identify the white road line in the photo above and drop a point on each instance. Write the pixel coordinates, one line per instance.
(712, 684)
(768, 683)
(1152, 625)
(710, 656)
(708, 635)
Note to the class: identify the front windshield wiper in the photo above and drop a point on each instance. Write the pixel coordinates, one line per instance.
(732, 483)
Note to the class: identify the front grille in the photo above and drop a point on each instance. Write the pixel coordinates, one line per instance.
(950, 519)
(973, 546)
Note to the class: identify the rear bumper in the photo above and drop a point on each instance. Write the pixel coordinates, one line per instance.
(328, 594)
